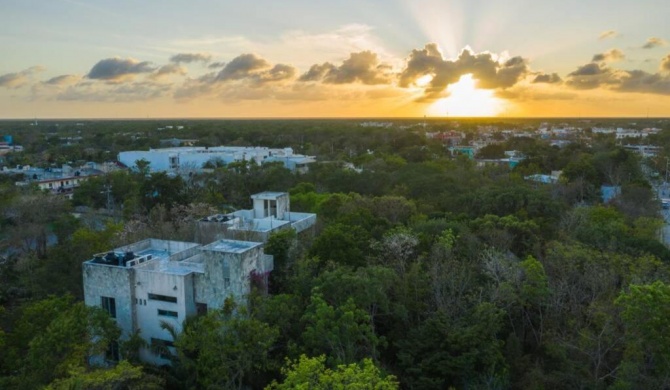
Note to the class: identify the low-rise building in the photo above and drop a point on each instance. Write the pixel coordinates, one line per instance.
(189, 159)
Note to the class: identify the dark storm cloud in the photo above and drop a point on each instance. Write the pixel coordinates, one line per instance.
(488, 71)
(19, 79)
(654, 42)
(115, 69)
(363, 67)
(608, 56)
(187, 58)
(547, 78)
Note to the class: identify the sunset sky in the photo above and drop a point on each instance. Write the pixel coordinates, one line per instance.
(345, 58)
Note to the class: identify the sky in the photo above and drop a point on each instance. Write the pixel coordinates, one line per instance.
(345, 58)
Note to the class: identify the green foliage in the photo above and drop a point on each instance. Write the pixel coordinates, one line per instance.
(55, 336)
(463, 353)
(121, 376)
(344, 332)
(312, 373)
(341, 244)
(645, 311)
(221, 348)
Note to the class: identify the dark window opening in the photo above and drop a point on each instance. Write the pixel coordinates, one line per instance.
(164, 298)
(168, 313)
(109, 305)
(201, 308)
(112, 353)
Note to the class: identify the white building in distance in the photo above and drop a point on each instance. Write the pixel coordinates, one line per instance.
(153, 281)
(185, 159)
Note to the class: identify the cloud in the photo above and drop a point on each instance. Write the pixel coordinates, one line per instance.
(547, 78)
(255, 69)
(490, 72)
(118, 69)
(215, 65)
(609, 56)
(654, 42)
(167, 70)
(19, 79)
(607, 35)
(246, 71)
(65, 79)
(363, 67)
(188, 58)
(665, 63)
(242, 67)
(599, 75)
(127, 92)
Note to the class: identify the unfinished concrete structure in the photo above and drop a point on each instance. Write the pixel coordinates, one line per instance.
(271, 212)
(153, 281)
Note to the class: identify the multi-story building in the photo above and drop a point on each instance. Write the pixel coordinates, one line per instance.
(152, 282)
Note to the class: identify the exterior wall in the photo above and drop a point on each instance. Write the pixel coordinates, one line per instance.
(148, 320)
(159, 161)
(302, 221)
(227, 274)
(114, 282)
(214, 285)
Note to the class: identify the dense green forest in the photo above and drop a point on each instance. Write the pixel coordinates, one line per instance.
(425, 270)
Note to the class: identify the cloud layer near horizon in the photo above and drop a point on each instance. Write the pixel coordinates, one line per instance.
(423, 76)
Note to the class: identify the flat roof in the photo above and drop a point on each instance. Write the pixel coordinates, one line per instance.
(269, 195)
(231, 246)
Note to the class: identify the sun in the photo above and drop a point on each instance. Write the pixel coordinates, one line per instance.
(466, 100)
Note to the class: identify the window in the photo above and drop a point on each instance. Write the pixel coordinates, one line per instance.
(168, 313)
(201, 308)
(160, 347)
(109, 305)
(112, 352)
(164, 298)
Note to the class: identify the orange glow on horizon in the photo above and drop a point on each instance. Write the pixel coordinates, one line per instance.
(466, 100)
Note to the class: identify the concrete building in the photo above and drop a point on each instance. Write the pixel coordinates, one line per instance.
(271, 212)
(153, 281)
(188, 159)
